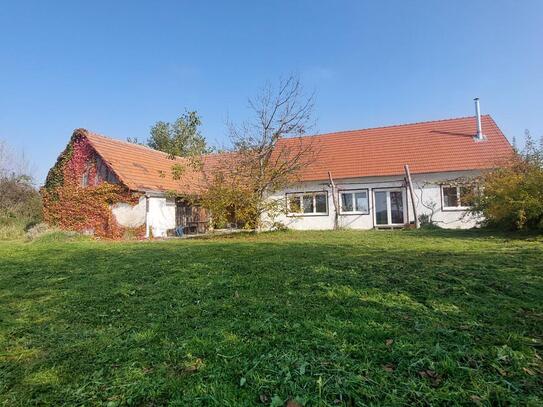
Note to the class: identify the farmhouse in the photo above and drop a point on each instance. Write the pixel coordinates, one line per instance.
(357, 179)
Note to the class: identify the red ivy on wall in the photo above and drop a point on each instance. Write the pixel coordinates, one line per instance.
(82, 162)
(70, 205)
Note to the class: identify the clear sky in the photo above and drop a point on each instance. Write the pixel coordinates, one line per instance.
(116, 67)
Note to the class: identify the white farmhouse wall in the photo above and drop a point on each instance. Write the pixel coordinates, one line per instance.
(160, 215)
(130, 216)
(427, 197)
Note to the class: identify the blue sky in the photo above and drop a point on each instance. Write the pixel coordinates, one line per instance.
(117, 67)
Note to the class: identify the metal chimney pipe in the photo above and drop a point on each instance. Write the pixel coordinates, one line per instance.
(479, 135)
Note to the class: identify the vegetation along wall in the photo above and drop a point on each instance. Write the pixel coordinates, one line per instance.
(80, 191)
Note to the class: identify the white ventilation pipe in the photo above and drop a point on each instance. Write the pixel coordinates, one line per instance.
(479, 135)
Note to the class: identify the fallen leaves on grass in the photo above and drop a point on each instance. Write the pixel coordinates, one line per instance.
(435, 378)
(389, 367)
(477, 400)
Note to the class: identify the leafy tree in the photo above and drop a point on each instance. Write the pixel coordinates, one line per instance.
(180, 138)
(512, 196)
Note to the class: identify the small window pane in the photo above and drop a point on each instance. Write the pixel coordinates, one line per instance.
(85, 180)
(308, 203)
(347, 202)
(450, 197)
(396, 207)
(381, 211)
(361, 201)
(294, 204)
(320, 203)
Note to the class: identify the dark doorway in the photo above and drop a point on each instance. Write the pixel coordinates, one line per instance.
(192, 218)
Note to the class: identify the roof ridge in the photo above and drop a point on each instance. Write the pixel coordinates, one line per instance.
(394, 125)
(92, 133)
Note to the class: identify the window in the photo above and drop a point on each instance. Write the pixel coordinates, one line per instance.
(457, 197)
(320, 203)
(85, 179)
(294, 205)
(308, 203)
(354, 202)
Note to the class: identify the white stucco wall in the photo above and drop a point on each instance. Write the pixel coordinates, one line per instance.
(130, 216)
(160, 215)
(427, 196)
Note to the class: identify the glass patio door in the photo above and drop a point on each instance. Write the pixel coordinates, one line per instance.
(389, 208)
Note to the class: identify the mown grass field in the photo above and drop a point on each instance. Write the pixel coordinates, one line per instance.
(320, 318)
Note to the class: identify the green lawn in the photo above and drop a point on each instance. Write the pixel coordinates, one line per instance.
(324, 318)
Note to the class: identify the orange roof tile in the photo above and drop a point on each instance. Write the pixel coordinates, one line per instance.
(142, 168)
(435, 146)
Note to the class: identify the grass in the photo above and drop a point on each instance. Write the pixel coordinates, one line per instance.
(320, 318)
(11, 229)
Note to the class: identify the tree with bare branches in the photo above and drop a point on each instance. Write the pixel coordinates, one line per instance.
(267, 155)
(20, 202)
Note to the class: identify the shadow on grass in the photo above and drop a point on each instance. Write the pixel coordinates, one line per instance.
(475, 233)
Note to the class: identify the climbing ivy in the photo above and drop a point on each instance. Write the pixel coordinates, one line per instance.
(72, 206)
(55, 177)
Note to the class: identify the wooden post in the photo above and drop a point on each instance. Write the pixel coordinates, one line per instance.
(412, 193)
(334, 200)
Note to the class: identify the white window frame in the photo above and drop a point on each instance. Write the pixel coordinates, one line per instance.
(300, 195)
(405, 211)
(459, 207)
(352, 192)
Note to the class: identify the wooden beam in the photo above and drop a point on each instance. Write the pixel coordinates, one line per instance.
(334, 200)
(412, 193)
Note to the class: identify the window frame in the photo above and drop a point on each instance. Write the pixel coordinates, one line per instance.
(85, 179)
(459, 207)
(301, 195)
(353, 192)
(405, 203)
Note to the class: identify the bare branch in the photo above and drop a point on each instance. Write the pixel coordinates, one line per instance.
(269, 152)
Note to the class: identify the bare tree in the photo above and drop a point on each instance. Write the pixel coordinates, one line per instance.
(13, 165)
(20, 202)
(268, 154)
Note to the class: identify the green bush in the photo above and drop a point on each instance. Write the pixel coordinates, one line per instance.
(511, 197)
(20, 206)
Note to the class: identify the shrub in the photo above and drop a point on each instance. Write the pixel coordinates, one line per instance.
(425, 221)
(512, 196)
(20, 206)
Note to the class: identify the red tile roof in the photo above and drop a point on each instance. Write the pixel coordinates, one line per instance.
(435, 146)
(142, 168)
